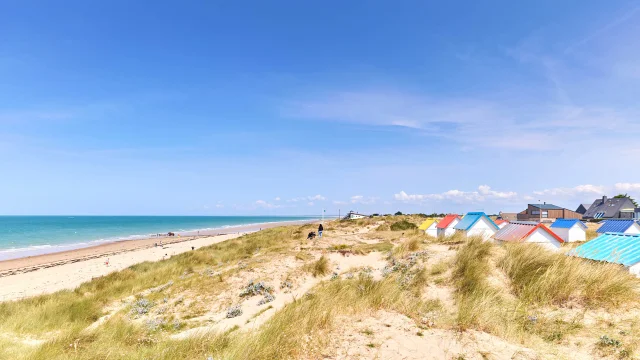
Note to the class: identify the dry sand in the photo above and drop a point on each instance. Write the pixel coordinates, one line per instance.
(49, 273)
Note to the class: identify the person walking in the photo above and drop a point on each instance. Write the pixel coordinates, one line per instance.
(320, 228)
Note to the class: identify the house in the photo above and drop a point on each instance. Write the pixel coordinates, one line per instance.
(352, 215)
(582, 209)
(637, 214)
(570, 230)
(508, 216)
(429, 227)
(446, 225)
(619, 226)
(615, 208)
(615, 248)
(527, 232)
(501, 223)
(546, 213)
(477, 224)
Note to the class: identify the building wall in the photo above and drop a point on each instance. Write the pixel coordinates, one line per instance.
(432, 230)
(635, 269)
(634, 229)
(356, 216)
(534, 214)
(450, 229)
(544, 239)
(576, 233)
(482, 228)
(563, 233)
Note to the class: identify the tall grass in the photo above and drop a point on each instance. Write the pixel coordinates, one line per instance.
(66, 313)
(543, 277)
(319, 267)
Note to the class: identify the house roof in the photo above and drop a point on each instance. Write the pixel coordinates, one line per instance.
(611, 247)
(500, 221)
(427, 223)
(567, 223)
(520, 231)
(447, 220)
(615, 225)
(607, 208)
(547, 206)
(471, 219)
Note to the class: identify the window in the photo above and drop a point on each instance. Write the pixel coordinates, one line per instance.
(545, 214)
(535, 212)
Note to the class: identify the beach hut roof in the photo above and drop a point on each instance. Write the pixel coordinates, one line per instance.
(447, 220)
(427, 223)
(500, 221)
(520, 231)
(611, 247)
(615, 226)
(471, 219)
(567, 223)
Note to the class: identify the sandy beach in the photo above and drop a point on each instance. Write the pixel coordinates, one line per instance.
(49, 273)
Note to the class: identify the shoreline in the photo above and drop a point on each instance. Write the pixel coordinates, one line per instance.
(7, 254)
(49, 273)
(30, 263)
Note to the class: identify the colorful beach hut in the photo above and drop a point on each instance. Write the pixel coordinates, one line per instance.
(429, 227)
(617, 248)
(527, 232)
(446, 226)
(501, 223)
(477, 224)
(570, 230)
(627, 226)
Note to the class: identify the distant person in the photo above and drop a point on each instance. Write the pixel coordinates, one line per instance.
(193, 248)
(320, 229)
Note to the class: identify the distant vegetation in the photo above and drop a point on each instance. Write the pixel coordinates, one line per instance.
(403, 225)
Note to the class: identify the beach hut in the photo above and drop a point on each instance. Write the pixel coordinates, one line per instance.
(619, 226)
(501, 223)
(617, 248)
(429, 227)
(570, 230)
(446, 226)
(477, 224)
(527, 232)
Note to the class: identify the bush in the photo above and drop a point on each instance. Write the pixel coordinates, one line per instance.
(320, 267)
(403, 225)
(398, 213)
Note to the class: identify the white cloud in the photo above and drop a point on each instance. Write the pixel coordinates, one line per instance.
(308, 198)
(574, 191)
(337, 202)
(484, 193)
(266, 205)
(277, 198)
(359, 199)
(310, 203)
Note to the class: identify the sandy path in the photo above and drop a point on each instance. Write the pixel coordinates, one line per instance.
(70, 276)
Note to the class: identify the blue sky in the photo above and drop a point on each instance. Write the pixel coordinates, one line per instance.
(289, 107)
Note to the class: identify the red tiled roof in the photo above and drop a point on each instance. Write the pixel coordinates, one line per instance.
(444, 223)
(500, 221)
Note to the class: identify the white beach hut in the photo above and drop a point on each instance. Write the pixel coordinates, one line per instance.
(570, 230)
(477, 224)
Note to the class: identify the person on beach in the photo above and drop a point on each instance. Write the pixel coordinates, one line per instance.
(320, 229)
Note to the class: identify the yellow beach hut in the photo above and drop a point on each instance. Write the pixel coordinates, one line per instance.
(429, 227)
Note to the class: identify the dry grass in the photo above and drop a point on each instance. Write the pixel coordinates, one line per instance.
(319, 267)
(543, 277)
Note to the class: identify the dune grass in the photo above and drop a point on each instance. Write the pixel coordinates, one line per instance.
(544, 277)
(319, 267)
(66, 313)
(403, 225)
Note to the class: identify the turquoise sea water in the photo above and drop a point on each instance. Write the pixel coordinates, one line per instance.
(30, 235)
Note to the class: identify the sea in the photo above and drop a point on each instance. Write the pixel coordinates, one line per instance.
(22, 236)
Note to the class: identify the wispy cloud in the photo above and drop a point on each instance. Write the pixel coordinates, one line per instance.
(266, 205)
(484, 193)
(576, 190)
(308, 198)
